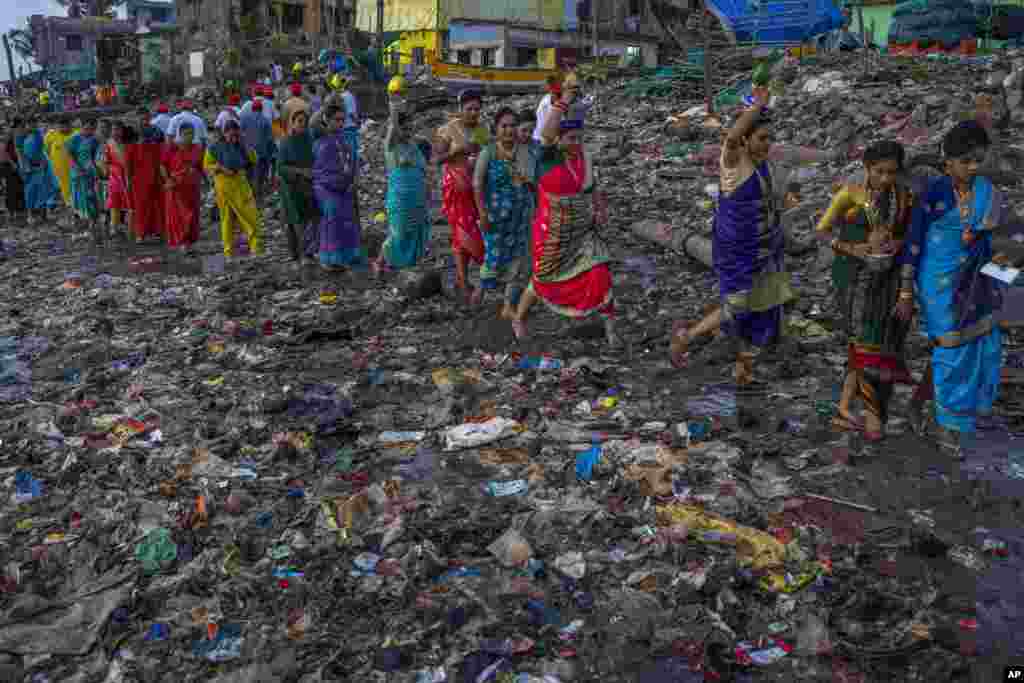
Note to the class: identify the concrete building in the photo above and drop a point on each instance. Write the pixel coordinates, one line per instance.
(520, 32)
(153, 14)
(63, 42)
(308, 24)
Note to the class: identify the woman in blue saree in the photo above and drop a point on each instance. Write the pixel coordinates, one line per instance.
(408, 218)
(40, 185)
(82, 149)
(334, 186)
(947, 253)
(504, 203)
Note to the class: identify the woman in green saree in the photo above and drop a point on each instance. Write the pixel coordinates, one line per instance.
(295, 170)
(874, 284)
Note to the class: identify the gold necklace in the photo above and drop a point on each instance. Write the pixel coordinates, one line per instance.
(964, 200)
(874, 214)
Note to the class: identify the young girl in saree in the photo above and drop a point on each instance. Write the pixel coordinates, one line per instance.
(570, 261)
(874, 283)
(114, 166)
(947, 252)
(461, 140)
(83, 149)
(103, 137)
(408, 218)
(503, 204)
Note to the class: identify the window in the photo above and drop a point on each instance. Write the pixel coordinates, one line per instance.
(292, 18)
(418, 56)
(487, 56)
(526, 56)
(73, 43)
(464, 56)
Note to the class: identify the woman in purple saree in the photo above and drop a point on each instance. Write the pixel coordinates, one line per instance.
(334, 185)
(748, 240)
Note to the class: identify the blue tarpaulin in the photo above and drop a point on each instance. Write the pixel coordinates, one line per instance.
(778, 21)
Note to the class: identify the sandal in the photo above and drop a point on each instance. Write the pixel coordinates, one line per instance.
(847, 425)
(680, 345)
(519, 329)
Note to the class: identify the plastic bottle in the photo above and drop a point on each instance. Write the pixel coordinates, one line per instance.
(539, 363)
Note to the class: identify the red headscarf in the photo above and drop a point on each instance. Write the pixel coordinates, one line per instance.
(162, 109)
(187, 104)
(257, 105)
(233, 100)
(296, 89)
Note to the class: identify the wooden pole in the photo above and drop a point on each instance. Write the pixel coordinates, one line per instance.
(709, 97)
(10, 67)
(863, 33)
(595, 10)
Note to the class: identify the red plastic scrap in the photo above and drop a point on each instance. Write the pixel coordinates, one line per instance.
(845, 524)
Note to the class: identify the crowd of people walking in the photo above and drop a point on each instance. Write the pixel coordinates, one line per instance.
(524, 207)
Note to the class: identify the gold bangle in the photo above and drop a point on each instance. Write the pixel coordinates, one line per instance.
(906, 296)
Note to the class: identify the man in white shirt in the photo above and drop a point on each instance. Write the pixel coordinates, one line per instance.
(162, 119)
(198, 125)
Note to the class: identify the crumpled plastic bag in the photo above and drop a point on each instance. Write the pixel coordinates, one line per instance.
(511, 549)
(448, 379)
(763, 549)
(477, 434)
(156, 550)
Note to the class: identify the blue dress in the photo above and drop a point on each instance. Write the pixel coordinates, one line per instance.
(509, 207)
(958, 301)
(408, 220)
(41, 189)
(84, 196)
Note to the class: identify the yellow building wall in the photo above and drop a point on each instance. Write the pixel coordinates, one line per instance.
(546, 58)
(430, 41)
(553, 12)
(399, 15)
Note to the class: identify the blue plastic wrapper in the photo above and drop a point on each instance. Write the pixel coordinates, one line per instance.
(157, 632)
(542, 615)
(27, 487)
(227, 644)
(716, 401)
(421, 467)
(585, 462)
(324, 403)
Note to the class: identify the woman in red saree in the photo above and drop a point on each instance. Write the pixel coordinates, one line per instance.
(457, 145)
(144, 155)
(570, 260)
(181, 168)
(114, 164)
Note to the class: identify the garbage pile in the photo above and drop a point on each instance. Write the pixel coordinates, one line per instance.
(247, 473)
